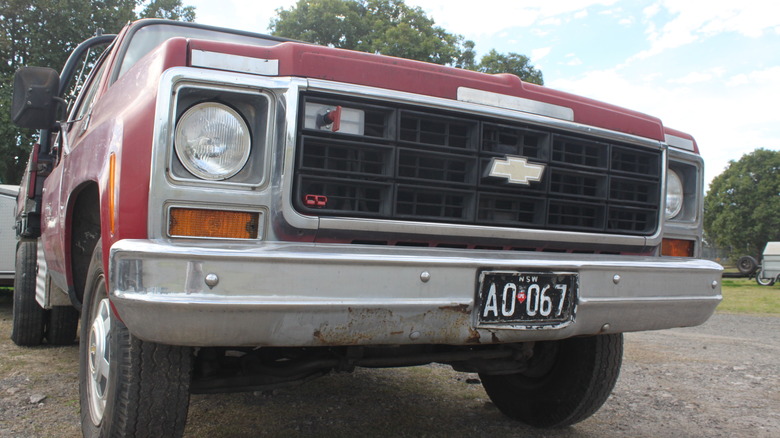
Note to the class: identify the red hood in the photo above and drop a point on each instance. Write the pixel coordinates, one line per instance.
(310, 61)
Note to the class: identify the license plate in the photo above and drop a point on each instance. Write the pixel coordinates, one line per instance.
(535, 299)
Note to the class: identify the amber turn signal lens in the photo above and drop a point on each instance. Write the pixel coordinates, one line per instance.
(677, 248)
(190, 222)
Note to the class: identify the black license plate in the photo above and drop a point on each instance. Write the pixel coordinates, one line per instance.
(526, 298)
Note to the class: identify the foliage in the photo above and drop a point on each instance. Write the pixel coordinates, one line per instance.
(168, 9)
(43, 33)
(742, 208)
(390, 27)
(514, 63)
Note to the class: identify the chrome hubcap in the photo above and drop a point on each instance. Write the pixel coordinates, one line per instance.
(99, 360)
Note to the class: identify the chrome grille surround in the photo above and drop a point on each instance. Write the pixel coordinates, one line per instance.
(419, 164)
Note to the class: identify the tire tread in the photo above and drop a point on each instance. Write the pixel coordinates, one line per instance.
(62, 325)
(579, 383)
(28, 316)
(151, 392)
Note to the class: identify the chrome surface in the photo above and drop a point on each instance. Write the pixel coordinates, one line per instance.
(277, 187)
(679, 142)
(98, 361)
(688, 224)
(296, 294)
(211, 280)
(236, 63)
(515, 103)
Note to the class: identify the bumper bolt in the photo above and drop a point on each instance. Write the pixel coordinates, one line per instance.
(212, 280)
(616, 279)
(714, 284)
(425, 277)
(414, 336)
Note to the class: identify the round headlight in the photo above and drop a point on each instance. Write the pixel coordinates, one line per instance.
(212, 141)
(674, 194)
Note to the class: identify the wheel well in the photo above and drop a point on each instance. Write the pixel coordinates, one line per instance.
(85, 233)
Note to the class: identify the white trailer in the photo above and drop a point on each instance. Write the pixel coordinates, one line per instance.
(770, 265)
(7, 233)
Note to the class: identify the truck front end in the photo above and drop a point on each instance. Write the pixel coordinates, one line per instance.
(304, 196)
(273, 211)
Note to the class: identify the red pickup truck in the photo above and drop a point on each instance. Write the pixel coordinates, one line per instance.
(231, 211)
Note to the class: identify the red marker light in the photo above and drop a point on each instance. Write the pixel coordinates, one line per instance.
(333, 117)
(315, 201)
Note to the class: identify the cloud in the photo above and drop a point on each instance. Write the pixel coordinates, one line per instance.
(538, 54)
(692, 78)
(504, 14)
(249, 15)
(551, 21)
(769, 77)
(699, 19)
(572, 60)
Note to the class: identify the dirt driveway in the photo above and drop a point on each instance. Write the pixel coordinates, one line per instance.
(717, 380)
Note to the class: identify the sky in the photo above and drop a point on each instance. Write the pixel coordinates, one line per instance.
(710, 68)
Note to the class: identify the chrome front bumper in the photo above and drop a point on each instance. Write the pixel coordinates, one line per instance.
(300, 294)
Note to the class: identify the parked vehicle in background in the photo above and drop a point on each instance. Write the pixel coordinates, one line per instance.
(7, 235)
(237, 212)
(769, 270)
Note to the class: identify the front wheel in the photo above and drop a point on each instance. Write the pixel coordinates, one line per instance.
(128, 387)
(764, 281)
(565, 382)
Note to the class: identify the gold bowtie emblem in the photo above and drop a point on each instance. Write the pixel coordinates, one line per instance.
(516, 170)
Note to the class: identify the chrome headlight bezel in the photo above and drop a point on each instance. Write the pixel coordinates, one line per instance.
(212, 141)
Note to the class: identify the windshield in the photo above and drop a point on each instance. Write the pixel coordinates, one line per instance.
(146, 38)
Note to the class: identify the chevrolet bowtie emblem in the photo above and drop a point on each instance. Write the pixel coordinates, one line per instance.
(516, 170)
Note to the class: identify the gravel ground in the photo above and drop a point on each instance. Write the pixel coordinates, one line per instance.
(717, 380)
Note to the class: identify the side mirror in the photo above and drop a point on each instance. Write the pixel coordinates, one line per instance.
(35, 103)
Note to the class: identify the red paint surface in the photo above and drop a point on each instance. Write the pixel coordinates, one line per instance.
(304, 60)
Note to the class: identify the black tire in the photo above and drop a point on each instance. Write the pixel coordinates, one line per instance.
(62, 325)
(764, 281)
(131, 387)
(747, 265)
(27, 328)
(566, 382)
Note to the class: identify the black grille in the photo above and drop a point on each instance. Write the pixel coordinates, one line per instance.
(419, 165)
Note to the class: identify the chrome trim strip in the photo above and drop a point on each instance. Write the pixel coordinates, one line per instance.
(679, 142)
(505, 101)
(639, 300)
(236, 63)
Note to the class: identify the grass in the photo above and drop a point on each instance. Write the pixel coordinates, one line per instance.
(744, 296)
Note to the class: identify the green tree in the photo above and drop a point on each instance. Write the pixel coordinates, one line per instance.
(169, 9)
(43, 33)
(468, 56)
(742, 208)
(514, 63)
(389, 27)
